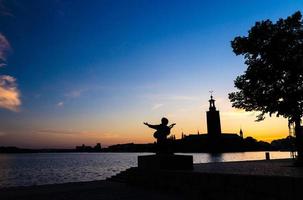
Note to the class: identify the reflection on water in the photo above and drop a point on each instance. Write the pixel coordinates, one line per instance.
(49, 168)
(214, 157)
(241, 156)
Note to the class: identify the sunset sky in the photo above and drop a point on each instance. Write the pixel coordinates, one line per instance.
(75, 71)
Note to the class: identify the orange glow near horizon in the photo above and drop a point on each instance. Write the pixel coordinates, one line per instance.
(128, 127)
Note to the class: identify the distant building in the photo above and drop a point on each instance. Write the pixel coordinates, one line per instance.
(98, 147)
(84, 148)
(241, 133)
(213, 119)
(214, 140)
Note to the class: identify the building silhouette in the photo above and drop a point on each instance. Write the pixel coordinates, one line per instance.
(241, 133)
(214, 140)
(213, 119)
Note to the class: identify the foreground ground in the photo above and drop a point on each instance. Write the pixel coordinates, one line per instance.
(274, 168)
(275, 179)
(86, 191)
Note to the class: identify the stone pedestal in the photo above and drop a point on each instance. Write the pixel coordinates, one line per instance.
(166, 162)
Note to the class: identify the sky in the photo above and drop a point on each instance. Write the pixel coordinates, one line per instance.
(74, 71)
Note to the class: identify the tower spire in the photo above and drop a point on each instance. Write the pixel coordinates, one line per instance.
(212, 106)
(241, 133)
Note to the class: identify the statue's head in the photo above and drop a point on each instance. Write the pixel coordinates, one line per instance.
(164, 121)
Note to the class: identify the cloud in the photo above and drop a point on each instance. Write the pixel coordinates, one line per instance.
(60, 104)
(4, 50)
(75, 132)
(165, 97)
(74, 94)
(109, 135)
(184, 98)
(2, 133)
(4, 10)
(9, 94)
(238, 113)
(59, 131)
(156, 106)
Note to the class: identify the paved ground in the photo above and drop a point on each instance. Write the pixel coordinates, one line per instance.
(86, 191)
(114, 190)
(283, 167)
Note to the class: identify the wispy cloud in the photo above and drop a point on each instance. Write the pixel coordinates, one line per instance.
(238, 113)
(74, 93)
(4, 10)
(9, 94)
(156, 106)
(171, 97)
(76, 132)
(4, 50)
(2, 133)
(109, 135)
(70, 95)
(78, 92)
(183, 98)
(59, 131)
(60, 104)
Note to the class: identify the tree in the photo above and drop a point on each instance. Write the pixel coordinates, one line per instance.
(273, 80)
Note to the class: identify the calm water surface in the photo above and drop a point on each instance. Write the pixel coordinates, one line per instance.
(49, 168)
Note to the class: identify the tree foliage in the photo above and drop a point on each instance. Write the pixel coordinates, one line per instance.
(273, 81)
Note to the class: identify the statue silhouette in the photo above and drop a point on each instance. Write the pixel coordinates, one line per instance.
(162, 131)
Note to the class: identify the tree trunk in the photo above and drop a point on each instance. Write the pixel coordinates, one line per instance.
(299, 139)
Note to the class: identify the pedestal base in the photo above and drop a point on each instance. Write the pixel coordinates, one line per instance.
(167, 162)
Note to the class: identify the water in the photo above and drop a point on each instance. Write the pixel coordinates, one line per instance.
(50, 168)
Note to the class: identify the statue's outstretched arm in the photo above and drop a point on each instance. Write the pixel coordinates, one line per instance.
(172, 125)
(151, 126)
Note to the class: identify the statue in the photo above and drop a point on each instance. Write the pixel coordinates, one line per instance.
(162, 131)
